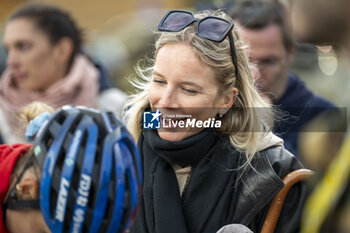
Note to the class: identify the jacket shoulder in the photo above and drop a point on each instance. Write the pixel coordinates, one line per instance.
(270, 167)
(281, 160)
(263, 178)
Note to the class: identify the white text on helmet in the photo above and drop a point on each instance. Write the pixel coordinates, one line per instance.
(78, 219)
(84, 188)
(62, 199)
(82, 200)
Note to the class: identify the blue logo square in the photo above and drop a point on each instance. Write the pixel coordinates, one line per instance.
(151, 120)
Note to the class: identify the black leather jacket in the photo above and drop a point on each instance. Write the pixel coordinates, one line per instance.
(273, 164)
(216, 194)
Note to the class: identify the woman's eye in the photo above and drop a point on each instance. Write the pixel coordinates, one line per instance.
(23, 46)
(158, 81)
(191, 91)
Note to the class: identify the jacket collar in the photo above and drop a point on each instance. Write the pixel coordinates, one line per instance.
(259, 185)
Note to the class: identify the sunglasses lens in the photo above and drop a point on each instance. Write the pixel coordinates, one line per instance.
(213, 29)
(176, 21)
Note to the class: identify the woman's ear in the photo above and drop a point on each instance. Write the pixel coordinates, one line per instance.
(28, 187)
(64, 50)
(228, 99)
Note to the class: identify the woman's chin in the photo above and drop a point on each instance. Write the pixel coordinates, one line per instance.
(174, 135)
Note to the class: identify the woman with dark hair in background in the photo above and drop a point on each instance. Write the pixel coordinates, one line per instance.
(44, 64)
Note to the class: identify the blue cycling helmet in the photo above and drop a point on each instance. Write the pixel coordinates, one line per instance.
(91, 172)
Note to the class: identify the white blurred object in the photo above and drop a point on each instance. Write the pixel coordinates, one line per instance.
(234, 228)
(327, 60)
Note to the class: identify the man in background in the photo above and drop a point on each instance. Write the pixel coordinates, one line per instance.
(265, 26)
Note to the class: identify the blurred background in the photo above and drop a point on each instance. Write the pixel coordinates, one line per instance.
(119, 33)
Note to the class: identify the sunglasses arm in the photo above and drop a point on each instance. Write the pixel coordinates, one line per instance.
(233, 53)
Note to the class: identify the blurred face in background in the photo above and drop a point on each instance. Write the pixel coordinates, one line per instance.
(33, 61)
(26, 221)
(268, 53)
(320, 21)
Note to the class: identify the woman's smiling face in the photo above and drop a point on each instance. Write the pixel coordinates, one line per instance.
(182, 84)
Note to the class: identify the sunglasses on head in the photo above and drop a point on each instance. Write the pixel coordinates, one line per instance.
(212, 28)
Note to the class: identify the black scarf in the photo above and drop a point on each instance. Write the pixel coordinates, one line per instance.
(186, 152)
(206, 203)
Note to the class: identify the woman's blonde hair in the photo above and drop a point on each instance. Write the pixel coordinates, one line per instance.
(28, 113)
(32, 110)
(247, 120)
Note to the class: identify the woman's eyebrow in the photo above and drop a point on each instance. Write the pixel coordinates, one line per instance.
(183, 82)
(158, 74)
(192, 84)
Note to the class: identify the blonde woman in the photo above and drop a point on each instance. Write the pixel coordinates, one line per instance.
(199, 179)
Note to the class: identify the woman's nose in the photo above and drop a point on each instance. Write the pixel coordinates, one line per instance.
(11, 61)
(168, 99)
